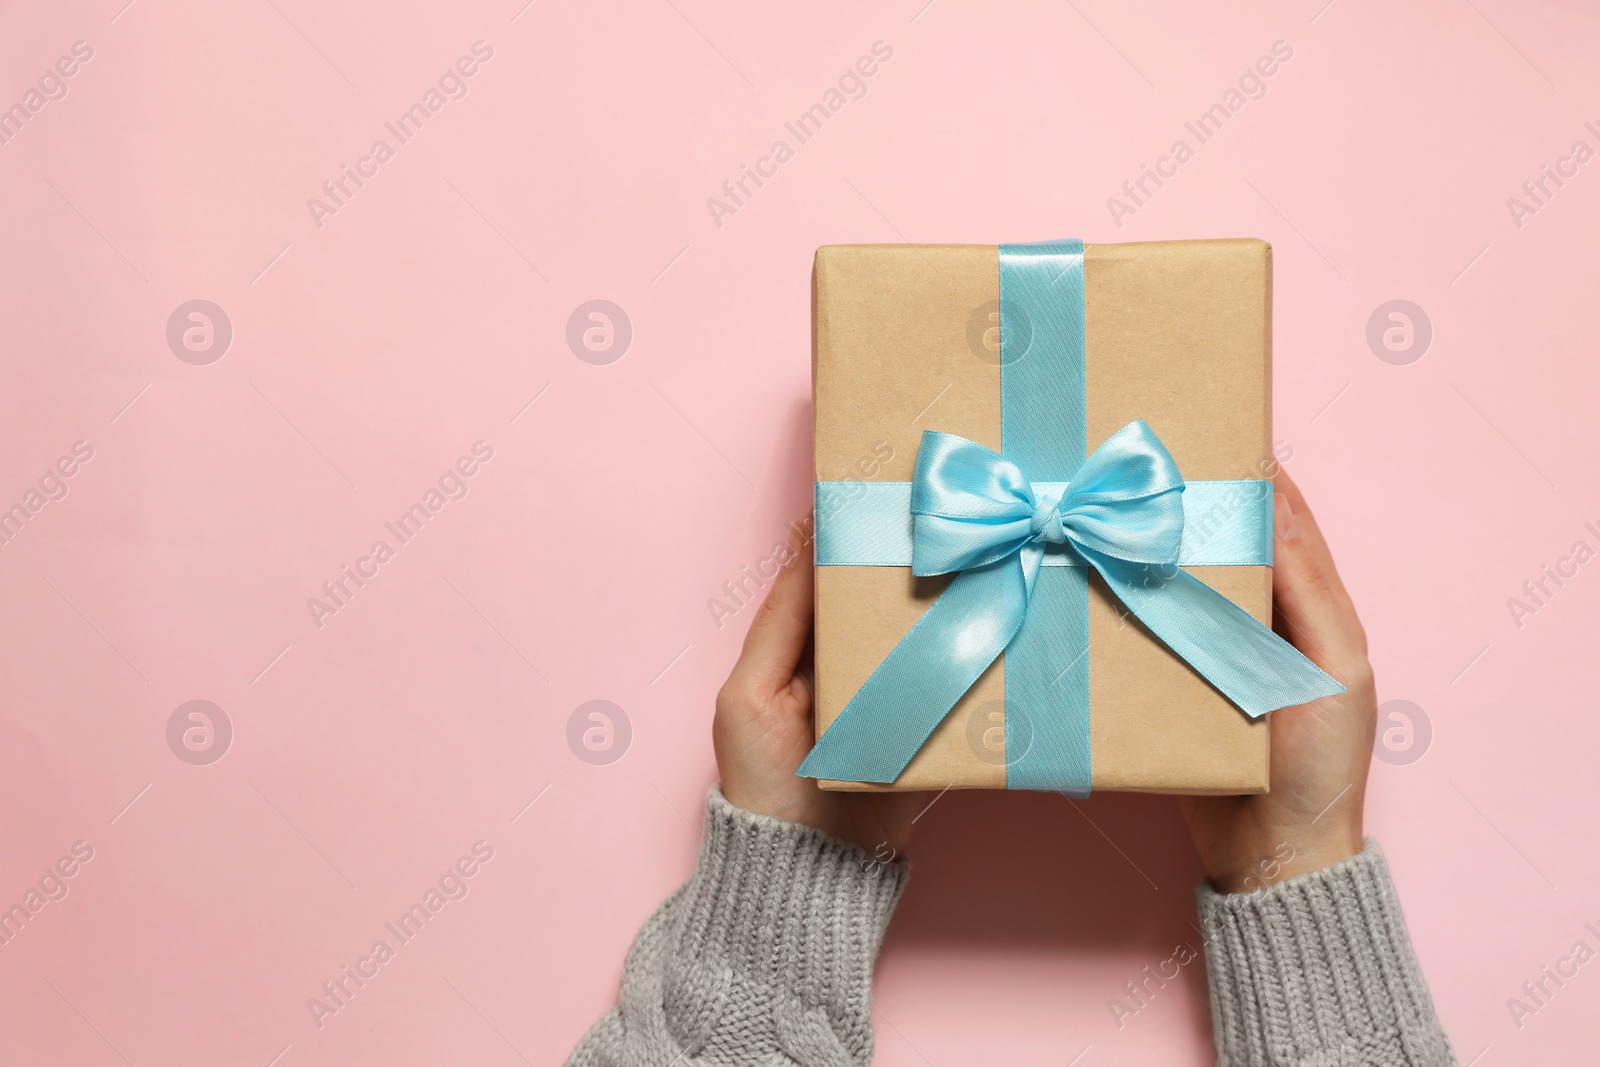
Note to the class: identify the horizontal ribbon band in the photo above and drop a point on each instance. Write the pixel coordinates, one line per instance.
(869, 524)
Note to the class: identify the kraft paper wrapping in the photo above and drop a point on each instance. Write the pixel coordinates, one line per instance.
(1179, 334)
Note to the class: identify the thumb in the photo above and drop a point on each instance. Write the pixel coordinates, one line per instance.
(778, 634)
(1312, 609)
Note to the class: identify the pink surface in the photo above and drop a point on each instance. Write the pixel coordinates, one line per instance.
(372, 747)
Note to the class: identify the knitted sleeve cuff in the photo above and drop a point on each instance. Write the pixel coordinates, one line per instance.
(1318, 969)
(779, 921)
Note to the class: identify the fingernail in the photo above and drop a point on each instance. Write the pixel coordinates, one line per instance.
(1283, 520)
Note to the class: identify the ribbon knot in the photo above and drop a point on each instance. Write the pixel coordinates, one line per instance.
(1047, 524)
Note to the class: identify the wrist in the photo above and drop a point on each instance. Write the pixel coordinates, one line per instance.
(1292, 855)
(851, 817)
(790, 802)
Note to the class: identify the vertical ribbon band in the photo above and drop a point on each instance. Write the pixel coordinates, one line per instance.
(1044, 429)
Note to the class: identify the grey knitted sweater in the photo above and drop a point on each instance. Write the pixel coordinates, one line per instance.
(764, 957)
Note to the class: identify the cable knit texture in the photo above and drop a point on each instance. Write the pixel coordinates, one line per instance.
(1317, 971)
(763, 957)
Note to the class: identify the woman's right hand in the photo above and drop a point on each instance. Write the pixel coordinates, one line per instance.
(1321, 751)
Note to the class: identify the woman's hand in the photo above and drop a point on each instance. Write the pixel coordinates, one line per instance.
(763, 726)
(1320, 751)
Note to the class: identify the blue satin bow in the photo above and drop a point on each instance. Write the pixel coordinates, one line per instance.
(975, 512)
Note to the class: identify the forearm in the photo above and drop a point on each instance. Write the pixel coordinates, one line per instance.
(1319, 969)
(769, 946)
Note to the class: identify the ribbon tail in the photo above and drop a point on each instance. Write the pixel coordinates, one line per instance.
(1248, 663)
(926, 674)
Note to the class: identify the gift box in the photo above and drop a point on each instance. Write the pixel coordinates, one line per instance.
(1050, 357)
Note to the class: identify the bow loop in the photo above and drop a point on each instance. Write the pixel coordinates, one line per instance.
(1126, 501)
(970, 506)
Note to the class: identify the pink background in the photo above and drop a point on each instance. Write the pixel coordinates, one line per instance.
(372, 351)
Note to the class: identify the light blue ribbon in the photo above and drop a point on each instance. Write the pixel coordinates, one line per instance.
(976, 513)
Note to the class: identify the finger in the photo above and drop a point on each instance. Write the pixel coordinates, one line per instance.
(782, 626)
(1316, 613)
